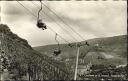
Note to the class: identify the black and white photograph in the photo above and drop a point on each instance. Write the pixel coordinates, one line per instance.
(63, 40)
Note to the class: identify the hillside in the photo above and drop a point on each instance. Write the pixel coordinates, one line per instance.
(108, 50)
(20, 62)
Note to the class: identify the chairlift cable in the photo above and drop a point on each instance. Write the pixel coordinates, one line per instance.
(63, 21)
(39, 11)
(69, 44)
(57, 23)
(59, 35)
(36, 17)
(26, 9)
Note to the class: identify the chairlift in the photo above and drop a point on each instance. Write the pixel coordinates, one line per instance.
(86, 43)
(57, 51)
(70, 45)
(40, 23)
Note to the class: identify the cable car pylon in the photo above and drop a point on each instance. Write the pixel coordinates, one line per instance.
(78, 45)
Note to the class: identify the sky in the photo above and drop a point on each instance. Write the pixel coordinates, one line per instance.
(91, 19)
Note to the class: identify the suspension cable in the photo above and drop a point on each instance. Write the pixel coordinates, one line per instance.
(63, 21)
(36, 17)
(57, 23)
(26, 9)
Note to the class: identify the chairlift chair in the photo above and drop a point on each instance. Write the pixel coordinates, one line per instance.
(70, 45)
(57, 51)
(40, 23)
(86, 43)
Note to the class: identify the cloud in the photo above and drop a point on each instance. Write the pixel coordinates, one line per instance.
(101, 19)
(90, 19)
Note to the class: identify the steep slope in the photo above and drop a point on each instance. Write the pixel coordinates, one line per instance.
(109, 50)
(20, 62)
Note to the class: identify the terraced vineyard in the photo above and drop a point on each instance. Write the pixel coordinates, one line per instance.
(20, 62)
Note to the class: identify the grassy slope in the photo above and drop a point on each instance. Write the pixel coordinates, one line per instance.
(111, 46)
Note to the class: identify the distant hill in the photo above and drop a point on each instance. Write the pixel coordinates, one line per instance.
(107, 50)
